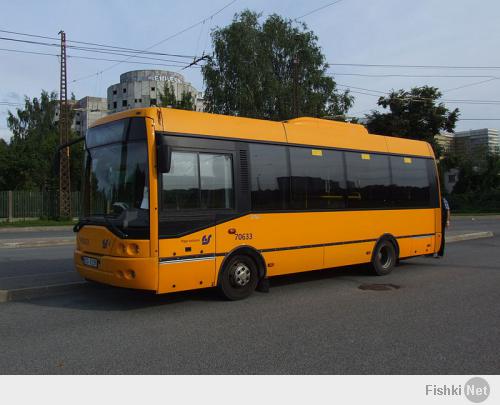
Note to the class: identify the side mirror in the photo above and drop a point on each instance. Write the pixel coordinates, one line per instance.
(163, 154)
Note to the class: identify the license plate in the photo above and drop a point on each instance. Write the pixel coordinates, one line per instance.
(90, 261)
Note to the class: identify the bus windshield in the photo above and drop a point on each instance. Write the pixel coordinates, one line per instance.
(116, 177)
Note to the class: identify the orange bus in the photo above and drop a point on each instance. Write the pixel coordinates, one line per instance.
(178, 200)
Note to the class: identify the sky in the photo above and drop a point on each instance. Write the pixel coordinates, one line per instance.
(457, 33)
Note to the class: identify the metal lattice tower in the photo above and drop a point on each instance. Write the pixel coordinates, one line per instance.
(64, 177)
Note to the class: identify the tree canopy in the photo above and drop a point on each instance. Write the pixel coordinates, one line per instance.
(26, 161)
(272, 70)
(168, 99)
(415, 114)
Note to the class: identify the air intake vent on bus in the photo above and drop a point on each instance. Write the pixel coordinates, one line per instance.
(244, 171)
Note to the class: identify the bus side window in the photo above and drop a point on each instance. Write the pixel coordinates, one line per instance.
(270, 179)
(410, 182)
(317, 179)
(368, 180)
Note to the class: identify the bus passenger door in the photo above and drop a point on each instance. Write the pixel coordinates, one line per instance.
(187, 255)
(197, 192)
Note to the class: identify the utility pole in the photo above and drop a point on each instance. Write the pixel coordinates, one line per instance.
(64, 179)
(296, 86)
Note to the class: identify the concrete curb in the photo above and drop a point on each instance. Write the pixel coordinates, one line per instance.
(468, 236)
(15, 229)
(31, 243)
(27, 293)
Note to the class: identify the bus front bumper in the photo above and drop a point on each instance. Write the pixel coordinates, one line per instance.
(137, 273)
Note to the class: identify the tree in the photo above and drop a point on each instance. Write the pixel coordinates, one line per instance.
(479, 177)
(414, 114)
(4, 163)
(29, 155)
(273, 70)
(168, 99)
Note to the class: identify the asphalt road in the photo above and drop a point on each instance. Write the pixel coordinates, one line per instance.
(475, 223)
(21, 268)
(443, 318)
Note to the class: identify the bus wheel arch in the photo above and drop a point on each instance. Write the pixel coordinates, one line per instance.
(232, 270)
(385, 254)
(248, 251)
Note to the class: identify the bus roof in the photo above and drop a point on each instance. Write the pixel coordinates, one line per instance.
(300, 131)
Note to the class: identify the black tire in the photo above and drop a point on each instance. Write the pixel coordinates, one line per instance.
(384, 257)
(239, 278)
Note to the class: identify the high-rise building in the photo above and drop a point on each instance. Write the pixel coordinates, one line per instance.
(142, 88)
(446, 141)
(473, 144)
(85, 112)
(477, 142)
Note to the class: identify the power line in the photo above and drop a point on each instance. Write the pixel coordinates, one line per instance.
(29, 52)
(85, 49)
(93, 58)
(412, 66)
(163, 40)
(317, 9)
(417, 98)
(102, 45)
(417, 76)
(10, 102)
(490, 78)
(131, 61)
(471, 84)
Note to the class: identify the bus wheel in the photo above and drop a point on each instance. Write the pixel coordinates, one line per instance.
(239, 278)
(384, 257)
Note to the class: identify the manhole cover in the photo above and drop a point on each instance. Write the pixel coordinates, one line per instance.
(379, 287)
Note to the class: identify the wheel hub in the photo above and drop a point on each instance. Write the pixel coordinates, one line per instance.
(384, 257)
(240, 275)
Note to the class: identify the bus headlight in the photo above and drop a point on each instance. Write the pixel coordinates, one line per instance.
(133, 249)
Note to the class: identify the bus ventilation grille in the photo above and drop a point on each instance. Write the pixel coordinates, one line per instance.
(244, 171)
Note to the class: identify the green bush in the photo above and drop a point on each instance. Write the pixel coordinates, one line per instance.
(487, 201)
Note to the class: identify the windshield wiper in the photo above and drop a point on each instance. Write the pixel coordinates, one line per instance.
(82, 222)
(117, 230)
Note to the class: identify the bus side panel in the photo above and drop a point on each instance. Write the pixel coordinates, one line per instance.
(345, 255)
(422, 245)
(294, 242)
(288, 241)
(293, 261)
(187, 262)
(190, 275)
(439, 230)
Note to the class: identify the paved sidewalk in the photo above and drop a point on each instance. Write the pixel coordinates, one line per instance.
(37, 242)
(23, 229)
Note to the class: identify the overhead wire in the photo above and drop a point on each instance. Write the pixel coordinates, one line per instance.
(410, 75)
(410, 97)
(164, 40)
(412, 66)
(90, 58)
(317, 9)
(111, 47)
(101, 51)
